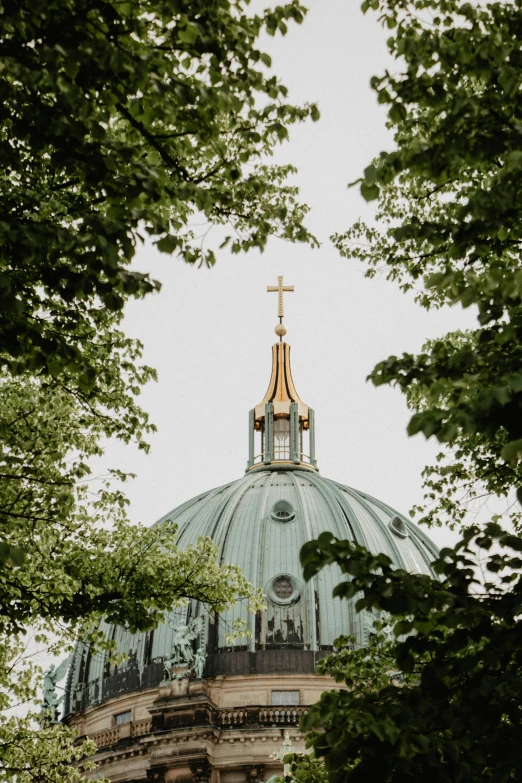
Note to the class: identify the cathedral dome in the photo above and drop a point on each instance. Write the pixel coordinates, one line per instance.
(260, 522)
(186, 702)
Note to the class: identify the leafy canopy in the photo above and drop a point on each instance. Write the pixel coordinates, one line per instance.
(77, 557)
(449, 222)
(440, 699)
(120, 122)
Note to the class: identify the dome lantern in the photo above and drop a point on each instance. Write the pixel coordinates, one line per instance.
(282, 426)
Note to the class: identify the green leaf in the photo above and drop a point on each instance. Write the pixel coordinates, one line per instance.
(370, 175)
(188, 34)
(514, 159)
(369, 192)
(11, 554)
(168, 244)
(403, 627)
(512, 451)
(397, 113)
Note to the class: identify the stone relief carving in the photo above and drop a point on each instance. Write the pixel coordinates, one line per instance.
(156, 775)
(201, 771)
(254, 774)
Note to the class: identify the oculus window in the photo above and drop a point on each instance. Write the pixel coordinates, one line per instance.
(283, 589)
(398, 527)
(283, 511)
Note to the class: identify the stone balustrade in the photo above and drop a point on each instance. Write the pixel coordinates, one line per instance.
(224, 718)
(141, 727)
(232, 717)
(107, 737)
(259, 715)
(289, 716)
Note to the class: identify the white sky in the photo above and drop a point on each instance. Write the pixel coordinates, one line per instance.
(209, 333)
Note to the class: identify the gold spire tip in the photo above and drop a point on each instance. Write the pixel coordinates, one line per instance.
(279, 289)
(280, 329)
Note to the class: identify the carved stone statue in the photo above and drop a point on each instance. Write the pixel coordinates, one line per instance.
(168, 663)
(182, 653)
(182, 644)
(199, 663)
(184, 635)
(50, 700)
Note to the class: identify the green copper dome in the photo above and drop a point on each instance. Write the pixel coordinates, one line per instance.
(260, 522)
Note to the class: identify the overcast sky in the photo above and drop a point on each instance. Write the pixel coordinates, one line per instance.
(209, 332)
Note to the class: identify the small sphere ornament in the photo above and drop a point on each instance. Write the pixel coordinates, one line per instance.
(280, 330)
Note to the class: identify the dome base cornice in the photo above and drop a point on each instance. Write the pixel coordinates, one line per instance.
(283, 465)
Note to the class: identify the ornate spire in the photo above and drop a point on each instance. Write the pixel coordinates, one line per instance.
(282, 424)
(281, 390)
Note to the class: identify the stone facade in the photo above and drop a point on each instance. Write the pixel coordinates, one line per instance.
(219, 730)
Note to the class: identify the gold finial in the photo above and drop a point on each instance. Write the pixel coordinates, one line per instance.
(279, 288)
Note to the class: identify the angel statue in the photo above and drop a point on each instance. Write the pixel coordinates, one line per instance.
(50, 700)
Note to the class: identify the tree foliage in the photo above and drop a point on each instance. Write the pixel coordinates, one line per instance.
(76, 556)
(449, 228)
(82, 558)
(121, 122)
(124, 120)
(30, 751)
(442, 700)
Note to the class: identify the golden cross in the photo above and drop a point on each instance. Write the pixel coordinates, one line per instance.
(279, 288)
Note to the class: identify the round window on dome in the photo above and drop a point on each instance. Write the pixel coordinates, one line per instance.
(398, 527)
(283, 511)
(283, 589)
